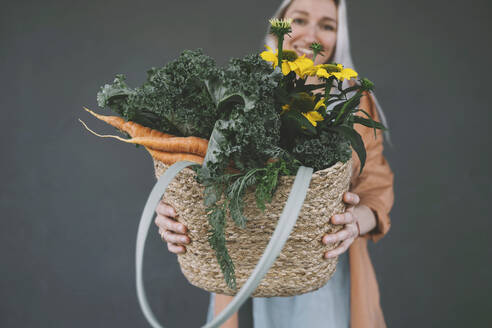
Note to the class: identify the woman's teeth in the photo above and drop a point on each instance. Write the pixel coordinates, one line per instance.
(304, 51)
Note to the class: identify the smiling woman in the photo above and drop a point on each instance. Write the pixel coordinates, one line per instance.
(351, 296)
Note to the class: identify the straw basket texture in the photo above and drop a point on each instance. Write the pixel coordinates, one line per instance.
(300, 267)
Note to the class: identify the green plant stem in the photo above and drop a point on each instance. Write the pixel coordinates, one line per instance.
(280, 48)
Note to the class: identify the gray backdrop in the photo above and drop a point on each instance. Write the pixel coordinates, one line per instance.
(70, 202)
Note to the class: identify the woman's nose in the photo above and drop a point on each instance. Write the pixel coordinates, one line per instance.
(310, 34)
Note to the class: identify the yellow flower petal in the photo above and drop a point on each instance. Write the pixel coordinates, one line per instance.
(338, 75)
(313, 117)
(345, 73)
(320, 103)
(316, 116)
(270, 57)
(349, 73)
(311, 71)
(321, 72)
(304, 65)
(285, 67)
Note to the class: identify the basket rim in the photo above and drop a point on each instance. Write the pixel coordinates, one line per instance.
(337, 166)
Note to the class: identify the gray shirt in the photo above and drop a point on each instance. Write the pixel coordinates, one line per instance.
(326, 307)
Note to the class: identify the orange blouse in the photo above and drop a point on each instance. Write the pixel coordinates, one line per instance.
(375, 189)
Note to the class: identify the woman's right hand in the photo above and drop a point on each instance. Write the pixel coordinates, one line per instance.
(174, 233)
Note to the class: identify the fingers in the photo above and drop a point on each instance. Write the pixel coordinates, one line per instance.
(173, 238)
(163, 220)
(176, 249)
(166, 223)
(350, 198)
(170, 230)
(340, 249)
(347, 236)
(165, 209)
(344, 218)
(350, 231)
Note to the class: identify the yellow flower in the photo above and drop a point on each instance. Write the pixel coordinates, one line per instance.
(303, 66)
(305, 101)
(327, 70)
(314, 117)
(270, 56)
(345, 73)
(323, 70)
(292, 63)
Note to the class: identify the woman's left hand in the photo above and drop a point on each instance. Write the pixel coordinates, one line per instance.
(348, 234)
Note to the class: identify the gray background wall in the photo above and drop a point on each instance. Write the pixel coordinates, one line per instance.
(70, 202)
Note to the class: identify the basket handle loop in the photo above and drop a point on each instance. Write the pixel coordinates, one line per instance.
(282, 231)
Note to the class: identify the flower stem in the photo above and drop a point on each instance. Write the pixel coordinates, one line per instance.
(280, 45)
(329, 84)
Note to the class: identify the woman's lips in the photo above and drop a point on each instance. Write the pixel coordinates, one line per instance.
(303, 51)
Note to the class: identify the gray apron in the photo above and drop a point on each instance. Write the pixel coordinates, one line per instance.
(326, 307)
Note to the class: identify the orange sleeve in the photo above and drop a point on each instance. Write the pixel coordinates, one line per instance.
(375, 184)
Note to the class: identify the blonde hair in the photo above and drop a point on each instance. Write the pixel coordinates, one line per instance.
(342, 48)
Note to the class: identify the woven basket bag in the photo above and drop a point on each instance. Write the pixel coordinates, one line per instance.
(300, 267)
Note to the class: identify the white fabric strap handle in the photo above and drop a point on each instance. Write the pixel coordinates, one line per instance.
(282, 231)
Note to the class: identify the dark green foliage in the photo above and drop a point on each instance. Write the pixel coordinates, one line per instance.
(268, 178)
(174, 99)
(216, 239)
(355, 141)
(235, 193)
(179, 94)
(249, 128)
(131, 104)
(323, 151)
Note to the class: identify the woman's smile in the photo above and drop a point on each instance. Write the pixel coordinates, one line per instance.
(303, 50)
(312, 21)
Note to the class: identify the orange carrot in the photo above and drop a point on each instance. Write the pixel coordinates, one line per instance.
(180, 148)
(192, 145)
(132, 128)
(171, 158)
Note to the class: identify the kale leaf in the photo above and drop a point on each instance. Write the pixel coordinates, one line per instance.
(249, 126)
(322, 151)
(174, 99)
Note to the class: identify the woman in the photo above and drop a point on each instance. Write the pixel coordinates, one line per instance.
(351, 296)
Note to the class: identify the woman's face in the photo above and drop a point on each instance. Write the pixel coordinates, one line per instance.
(312, 20)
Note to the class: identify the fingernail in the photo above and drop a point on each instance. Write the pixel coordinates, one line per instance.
(326, 240)
(184, 240)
